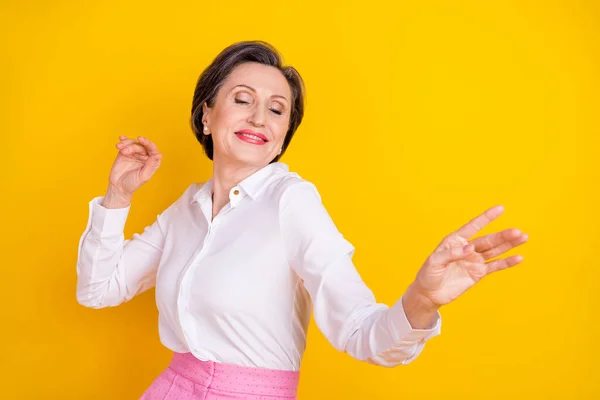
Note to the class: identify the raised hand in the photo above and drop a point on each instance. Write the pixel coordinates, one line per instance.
(134, 165)
(457, 263)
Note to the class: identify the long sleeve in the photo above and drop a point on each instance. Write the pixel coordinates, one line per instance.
(110, 269)
(345, 309)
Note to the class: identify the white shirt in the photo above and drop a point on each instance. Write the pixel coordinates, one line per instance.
(240, 289)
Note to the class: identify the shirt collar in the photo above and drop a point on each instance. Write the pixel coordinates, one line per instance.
(255, 183)
(252, 185)
(204, 193)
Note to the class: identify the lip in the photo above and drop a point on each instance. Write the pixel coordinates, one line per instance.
(251, 132)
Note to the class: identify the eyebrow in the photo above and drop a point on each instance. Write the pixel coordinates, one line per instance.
(254, 90)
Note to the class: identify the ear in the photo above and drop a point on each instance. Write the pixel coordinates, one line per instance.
(205, 111)
(205, 118)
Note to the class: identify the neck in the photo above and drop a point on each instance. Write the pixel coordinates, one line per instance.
(225, 177)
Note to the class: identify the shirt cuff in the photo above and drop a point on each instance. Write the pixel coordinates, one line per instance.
(402, 331)
(107, 222)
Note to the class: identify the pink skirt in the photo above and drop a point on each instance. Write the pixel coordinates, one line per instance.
(192, 379)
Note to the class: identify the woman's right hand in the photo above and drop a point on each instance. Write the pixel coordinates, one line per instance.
(135, 164)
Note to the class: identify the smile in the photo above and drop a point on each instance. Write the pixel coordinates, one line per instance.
(251, 137)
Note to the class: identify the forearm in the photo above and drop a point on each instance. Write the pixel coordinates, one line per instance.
(385, 337)
(99, 254)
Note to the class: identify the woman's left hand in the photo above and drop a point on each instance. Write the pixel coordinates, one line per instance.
(457, 263)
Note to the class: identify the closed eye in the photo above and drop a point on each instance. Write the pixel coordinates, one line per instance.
(238, 101)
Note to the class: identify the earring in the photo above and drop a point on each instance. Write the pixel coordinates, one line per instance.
(205, 129)
(280, 150)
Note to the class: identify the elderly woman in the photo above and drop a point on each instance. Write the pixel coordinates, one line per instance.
(240, 261)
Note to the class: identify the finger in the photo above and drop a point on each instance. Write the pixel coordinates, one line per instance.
(503, 263)
(125, 142)
(504, 247)
(479, 222)
(446, 256)
(150, 166)
(134, 148)
(152, 149)
(492, 240)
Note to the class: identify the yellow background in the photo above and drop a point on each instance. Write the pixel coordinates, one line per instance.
(419, 116)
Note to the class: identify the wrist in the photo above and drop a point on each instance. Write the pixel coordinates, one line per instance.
(419, 297)
(114, 198)
(420, 311)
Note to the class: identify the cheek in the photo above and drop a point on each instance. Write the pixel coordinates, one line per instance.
(228, 118)
(280, 129)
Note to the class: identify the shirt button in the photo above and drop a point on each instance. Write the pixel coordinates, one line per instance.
(236, 192)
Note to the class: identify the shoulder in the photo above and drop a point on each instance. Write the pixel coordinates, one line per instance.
(295, 199)
(288, 186)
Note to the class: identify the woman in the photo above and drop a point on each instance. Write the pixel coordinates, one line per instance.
(240, 261)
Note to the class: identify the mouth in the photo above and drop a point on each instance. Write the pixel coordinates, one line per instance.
(251, 137)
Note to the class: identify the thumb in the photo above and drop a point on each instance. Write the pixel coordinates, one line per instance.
(446, 256)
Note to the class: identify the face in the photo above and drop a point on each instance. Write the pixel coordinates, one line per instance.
(250, 116)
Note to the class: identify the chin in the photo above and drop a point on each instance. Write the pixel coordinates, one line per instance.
(246, 155)
(252, 160)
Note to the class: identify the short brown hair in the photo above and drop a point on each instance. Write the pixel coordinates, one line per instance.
(212, 78)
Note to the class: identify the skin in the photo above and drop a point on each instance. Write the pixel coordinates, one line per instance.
(258, 97)
(255, 97)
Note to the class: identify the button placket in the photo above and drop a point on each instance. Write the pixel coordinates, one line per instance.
(184, 288)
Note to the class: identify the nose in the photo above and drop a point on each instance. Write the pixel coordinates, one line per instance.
(257, 116)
